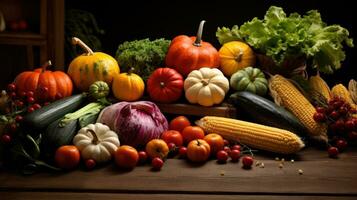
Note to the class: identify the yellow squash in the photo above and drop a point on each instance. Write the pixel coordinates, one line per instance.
(235, 56)
(128, 86)
(91, 67)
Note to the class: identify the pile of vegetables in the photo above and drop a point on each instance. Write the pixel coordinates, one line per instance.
(142, 55)
(283, 38)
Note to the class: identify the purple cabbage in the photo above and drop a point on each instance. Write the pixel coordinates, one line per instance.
(135, 122)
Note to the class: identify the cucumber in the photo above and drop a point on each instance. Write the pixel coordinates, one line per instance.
(266, 112)
(56, 136)
(41, 118)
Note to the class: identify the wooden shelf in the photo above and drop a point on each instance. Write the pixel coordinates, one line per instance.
(22, 38)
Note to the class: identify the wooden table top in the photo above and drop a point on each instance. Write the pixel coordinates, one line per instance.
(322, 178)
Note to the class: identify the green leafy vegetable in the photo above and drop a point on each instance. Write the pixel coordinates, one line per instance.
(142, 55)
(281, 37)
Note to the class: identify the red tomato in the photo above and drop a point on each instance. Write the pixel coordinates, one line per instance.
(126, 157)
(215, 141)
(165, 85)
(67, 157)
(172, 136)
(198, 150)
(191, 133)
(179, 123)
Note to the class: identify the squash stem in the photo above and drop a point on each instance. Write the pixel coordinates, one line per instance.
(197, 42)
(95, 137)
(44, 66)
(90, 108)
(77, 41)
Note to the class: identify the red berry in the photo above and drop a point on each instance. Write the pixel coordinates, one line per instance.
(320, 109)
(222, 156)
(338, 104)
(226, 149)
(12, 95)
(171, 146)
(18, 118)
(236, 147)
(332, 152)
(352, 135)
(226, 142)
(343, 111)
(143, 157)
(341, 144)
(36, 106)
(247, 162)
(30, 109)
(11, 87)
(30, 100)
(13, 127)
(90, 164)
(235, 155)
(334, 115)
(350, 125)
(340, 125)
(319, 117)
(183, 152)
(19, 103)
(29, 94)
(6, 139)
(157, 163)
(46, 103)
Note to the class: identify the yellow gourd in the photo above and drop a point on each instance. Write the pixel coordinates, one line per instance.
(128, 86)
(235, 56)
(91, 67)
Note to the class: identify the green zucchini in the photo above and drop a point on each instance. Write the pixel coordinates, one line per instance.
(56, 136)
(266, 112)
(41, 118)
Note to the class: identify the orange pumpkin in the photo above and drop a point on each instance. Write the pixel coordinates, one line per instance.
(186, 53)
(91, 67)
(234, 56)
(45, 84)
(198, 150)
(128, 86)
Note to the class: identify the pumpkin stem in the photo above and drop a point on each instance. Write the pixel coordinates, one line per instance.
(205, 82)
(162, 84)
(77, 41)
(95, 137)
(131, 70)
(239, 56)
(44, 66)
(197, 42)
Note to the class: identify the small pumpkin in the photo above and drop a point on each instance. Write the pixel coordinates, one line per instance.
(46, 85)
(206, 86)
(165, 85)
(99, 89)
(234, 56)
(91, 67)
(128, 86)
(186, 53)
(97, 142)
(250, 79)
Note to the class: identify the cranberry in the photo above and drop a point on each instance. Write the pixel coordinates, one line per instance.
(226, 149)
(157, 163)
(36, 106)
(29, 94)
(11, 87)
(226, 142)
(341, 144)
(6, 139)
(332, 152)
(18, 118)
(30, 100)
(320, 109)
(334, 115)
(222, 156)
(319, 117)
(350, 125)
(247, 162)
(235, 155)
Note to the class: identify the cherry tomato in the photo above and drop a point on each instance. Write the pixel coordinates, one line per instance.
(333, 152)
(183, 152)
(157, 163)
(90, 164)
(222, 156)
(341, 144)
(236, 147)
(143, 157)
(172, 136)
(6, 139)
(11, 87)
(247, 162)
(235, 155)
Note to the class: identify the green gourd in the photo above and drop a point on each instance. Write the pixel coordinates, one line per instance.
(250, 79)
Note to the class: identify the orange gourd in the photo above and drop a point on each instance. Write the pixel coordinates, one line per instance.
(91, 67)
(45, 84)
(198, 150)
(235, 56)
(128, 86)
(186, 53)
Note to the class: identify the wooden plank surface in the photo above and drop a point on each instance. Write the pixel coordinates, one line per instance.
(322, 176)
(120, 196)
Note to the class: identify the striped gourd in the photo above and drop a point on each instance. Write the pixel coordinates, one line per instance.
(341, 91)
(287, 95)
(254, 135)
(319, 86)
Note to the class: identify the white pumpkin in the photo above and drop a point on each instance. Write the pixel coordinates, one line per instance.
(97, 142)
(206, 86)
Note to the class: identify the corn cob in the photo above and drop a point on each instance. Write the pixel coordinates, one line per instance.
(254, 135)
(341, 91)
(320, 87)
(352, 88)
(287, 95)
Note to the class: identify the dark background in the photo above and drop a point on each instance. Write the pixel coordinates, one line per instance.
(134, 19)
